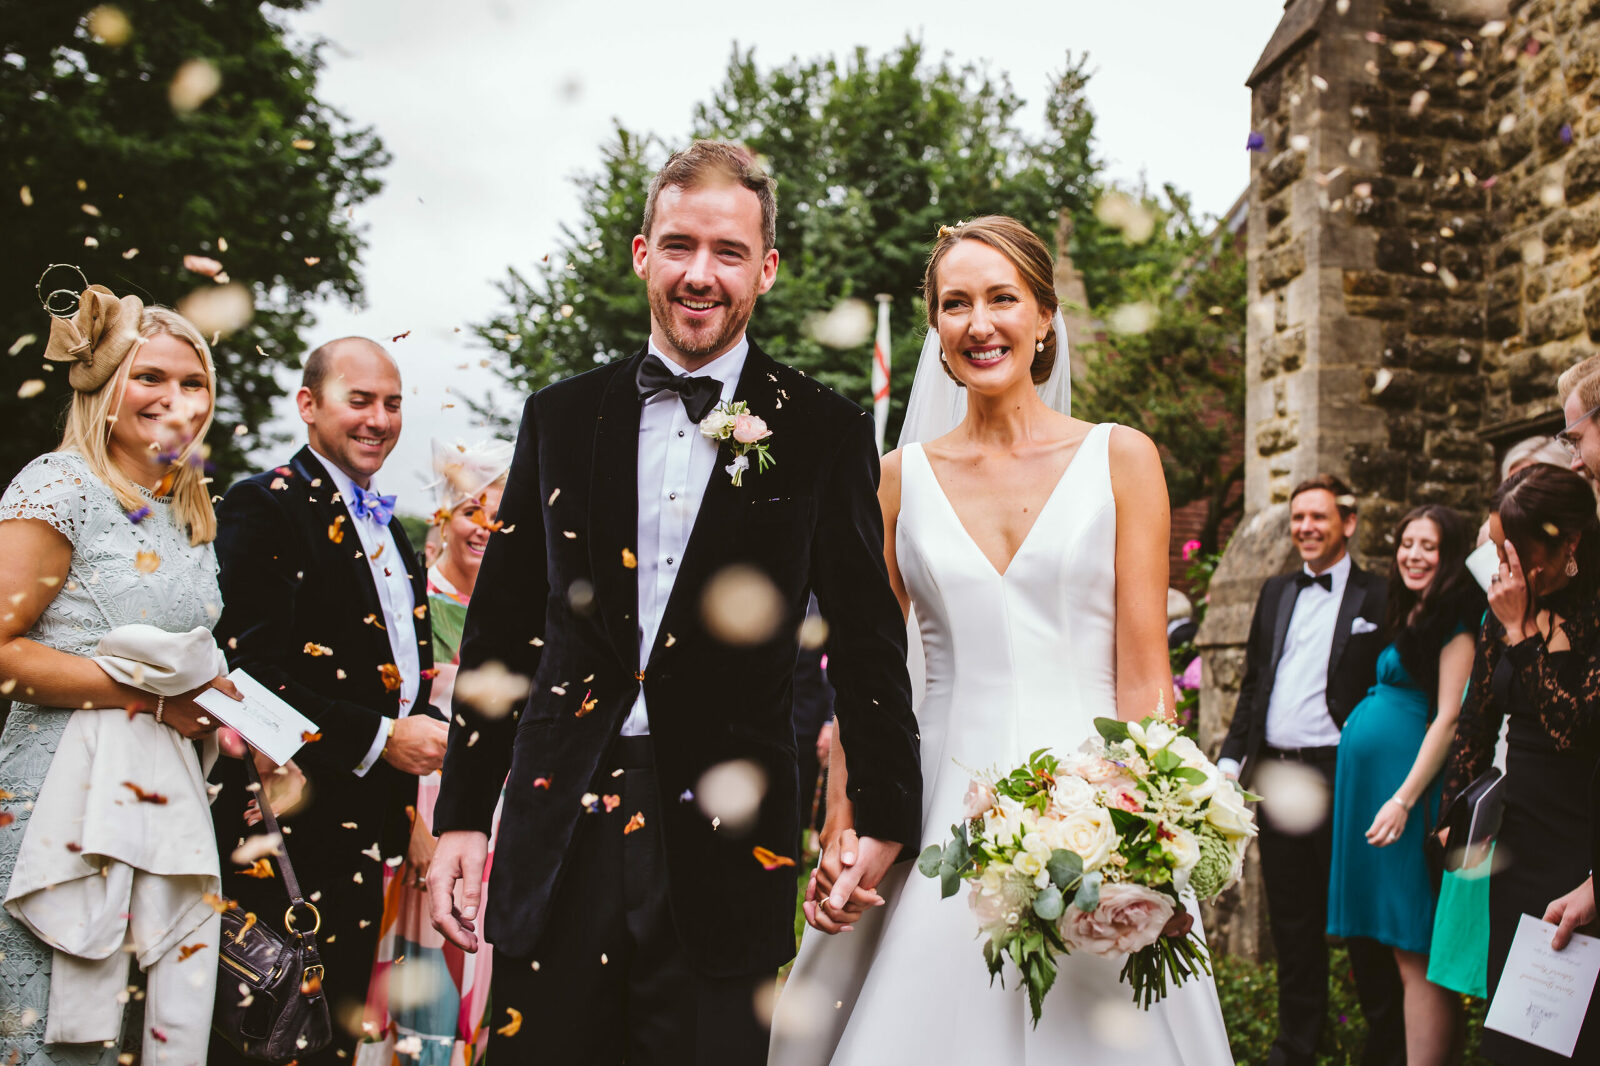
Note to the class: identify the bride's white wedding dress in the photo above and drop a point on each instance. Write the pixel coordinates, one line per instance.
(1014, 662)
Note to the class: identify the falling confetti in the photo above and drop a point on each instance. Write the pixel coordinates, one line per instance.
(303, 145)
(260, 868)
(770, 860)
(399, 337)
(336, 531)
(308, 737)
(634, 823)
(848, 324)
(30, 388)
(542, 782)
(196, 81)
(109, 26)
(1256, 142)
(315, 650)
(629, 560)
(185, 950)
(145, 797)
(391, 677)
(732, 792)
(218, 308)
(491, 689)
(741, 606)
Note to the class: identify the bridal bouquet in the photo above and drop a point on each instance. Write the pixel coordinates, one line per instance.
(1090, 853)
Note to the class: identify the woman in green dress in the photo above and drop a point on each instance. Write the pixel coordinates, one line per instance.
(1386, 793)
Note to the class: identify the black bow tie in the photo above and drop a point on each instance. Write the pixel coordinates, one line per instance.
(1304, 580)
(699, 394)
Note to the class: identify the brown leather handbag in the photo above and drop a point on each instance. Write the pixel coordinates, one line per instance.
(270, 1005)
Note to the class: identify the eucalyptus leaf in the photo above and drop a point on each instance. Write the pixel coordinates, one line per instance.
(1064, 868)
(1088, 897)
(1049, 904)
(949, 882)
(928, 861)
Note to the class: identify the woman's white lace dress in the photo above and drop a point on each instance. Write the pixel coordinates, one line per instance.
(109, 584)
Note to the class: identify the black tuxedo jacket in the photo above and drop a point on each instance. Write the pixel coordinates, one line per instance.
(301, 615)
(1352, 658)
(557, 601)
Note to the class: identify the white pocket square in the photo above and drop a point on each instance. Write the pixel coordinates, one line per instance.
(1360, 626)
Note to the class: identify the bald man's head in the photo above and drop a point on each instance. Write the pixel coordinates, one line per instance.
(320, 361)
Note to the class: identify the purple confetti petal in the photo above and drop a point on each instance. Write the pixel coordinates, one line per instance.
(139, 516)
(1255, 142)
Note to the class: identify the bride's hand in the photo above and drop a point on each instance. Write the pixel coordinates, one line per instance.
(839, 851)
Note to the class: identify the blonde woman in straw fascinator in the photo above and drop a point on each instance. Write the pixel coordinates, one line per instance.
(109, 576)
(1032, 548)
(467, 485)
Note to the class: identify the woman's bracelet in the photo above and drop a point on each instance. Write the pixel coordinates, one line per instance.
(1403, 805)
(161, 705)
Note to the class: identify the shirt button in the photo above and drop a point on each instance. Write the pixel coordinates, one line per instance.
(672, 495)
(680, 432)
(669, 560)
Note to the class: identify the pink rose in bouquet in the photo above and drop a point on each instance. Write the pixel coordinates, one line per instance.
(748, 428)
(1128, 919)
(979, 799)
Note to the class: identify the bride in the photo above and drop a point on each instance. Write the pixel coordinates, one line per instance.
(1033, 548)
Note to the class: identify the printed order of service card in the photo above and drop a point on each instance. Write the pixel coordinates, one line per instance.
(1544, 994)
(266, 722)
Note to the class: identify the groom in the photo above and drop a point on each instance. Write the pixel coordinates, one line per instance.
(644, 886)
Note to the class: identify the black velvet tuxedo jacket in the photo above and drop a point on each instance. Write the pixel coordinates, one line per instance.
(1352, 658)
(557, 601)
(301, 615)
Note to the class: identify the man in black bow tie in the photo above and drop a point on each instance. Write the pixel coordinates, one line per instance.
(651, 580)
(1311, 657)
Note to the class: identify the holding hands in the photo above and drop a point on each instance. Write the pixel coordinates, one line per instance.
(843, 886)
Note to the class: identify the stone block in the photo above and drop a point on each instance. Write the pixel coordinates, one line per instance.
(1385, 308)
(1400, 158)
(1457, 445)
(1591, 311)
(1367, 283)
(1376, 470)
(1555, 319)
(1469, 497)
(1548, 135)
(1583, 173)
(1454, 318)
(1393, 388)
(1397, 253)
(1443, 354)
(1275, 437)
(1280, 171)
(1406, 431)
(1281, 266)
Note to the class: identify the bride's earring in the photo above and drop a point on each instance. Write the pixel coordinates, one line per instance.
(1572, 566)
(952, 374)
(1038, 346)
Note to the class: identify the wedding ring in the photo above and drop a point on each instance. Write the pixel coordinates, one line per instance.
(1494, 579)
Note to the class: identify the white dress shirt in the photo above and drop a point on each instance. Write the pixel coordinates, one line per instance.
(675, 465)
(1297, 710)
(391, 573)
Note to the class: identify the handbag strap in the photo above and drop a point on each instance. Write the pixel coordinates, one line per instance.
(289, 882)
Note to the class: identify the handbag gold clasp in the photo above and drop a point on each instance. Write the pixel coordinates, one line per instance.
(288, 918)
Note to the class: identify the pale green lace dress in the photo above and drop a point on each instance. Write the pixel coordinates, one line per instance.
(105, 588)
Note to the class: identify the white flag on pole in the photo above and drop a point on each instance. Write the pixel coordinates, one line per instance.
(880, 370)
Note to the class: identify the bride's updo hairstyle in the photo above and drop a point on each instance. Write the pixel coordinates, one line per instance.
(1025, 251)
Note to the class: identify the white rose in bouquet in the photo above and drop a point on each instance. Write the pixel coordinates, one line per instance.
(1072, 794)
(1229, 814)
(1185, 848)
(1187, 750)
(1091, 834)
(1153, 737)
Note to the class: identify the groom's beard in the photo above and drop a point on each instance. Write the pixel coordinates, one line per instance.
(711, 338)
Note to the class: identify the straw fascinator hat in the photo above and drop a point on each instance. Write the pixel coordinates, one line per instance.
(97, 338)
(462, 473)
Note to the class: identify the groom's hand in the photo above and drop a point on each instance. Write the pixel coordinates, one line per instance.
(455, 885)
(854, 890)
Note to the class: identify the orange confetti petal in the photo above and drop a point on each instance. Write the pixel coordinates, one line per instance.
(399, 336)
(146, 797)
(391, 677)
(613, 802)
(514, 1026)
(147, 562)
(629, 560)
(636, 822)
(315, 650)
(310, 738)
(185, 950)
(336, 531)
(220, 904)
(770, 860)
(261, 868)
(541, 782)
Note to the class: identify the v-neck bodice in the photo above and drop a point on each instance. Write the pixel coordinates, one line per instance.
(1023, 658)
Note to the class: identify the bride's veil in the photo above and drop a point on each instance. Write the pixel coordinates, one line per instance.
(936, 406)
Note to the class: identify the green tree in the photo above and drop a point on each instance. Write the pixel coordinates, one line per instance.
(1182, 379)
(101, 170)
(871, 156)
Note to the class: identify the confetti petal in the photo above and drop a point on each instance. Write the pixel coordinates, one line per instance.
(261, 869)
(634, 823)
(770, 860)
(514, 1026)
(391, 677)
(146, 797)
(30, 388)
(185, 950)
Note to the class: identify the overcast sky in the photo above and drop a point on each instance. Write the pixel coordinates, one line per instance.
(489, 107)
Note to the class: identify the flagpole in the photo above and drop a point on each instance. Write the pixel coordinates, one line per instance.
(880, 370)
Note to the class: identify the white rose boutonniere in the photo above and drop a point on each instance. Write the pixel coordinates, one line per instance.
(748, 432)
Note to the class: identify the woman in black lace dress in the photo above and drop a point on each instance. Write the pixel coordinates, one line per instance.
(1538, 664)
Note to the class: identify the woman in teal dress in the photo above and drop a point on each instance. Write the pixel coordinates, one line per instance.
(1386, 793)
